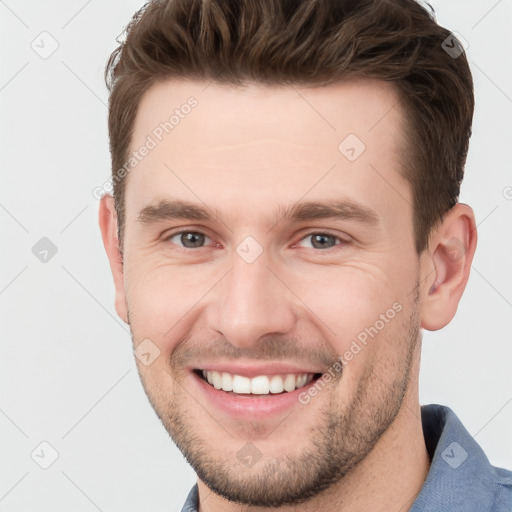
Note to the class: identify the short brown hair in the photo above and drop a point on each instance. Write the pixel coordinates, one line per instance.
(308, 42)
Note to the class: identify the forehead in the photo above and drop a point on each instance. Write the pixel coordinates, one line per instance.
(255, 145)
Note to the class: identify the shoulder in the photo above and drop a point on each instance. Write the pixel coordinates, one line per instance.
(461, 478)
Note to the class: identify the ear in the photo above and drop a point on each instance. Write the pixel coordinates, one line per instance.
(448, 263)
(108, 227)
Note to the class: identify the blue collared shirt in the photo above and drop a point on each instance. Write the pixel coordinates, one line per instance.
(460, 479)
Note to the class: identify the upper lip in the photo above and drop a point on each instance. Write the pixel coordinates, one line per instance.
(253, 370)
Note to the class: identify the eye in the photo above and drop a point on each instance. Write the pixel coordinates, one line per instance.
(323, 240)
(197, 240)
(189, 239)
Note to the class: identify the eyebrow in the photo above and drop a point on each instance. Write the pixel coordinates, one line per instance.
(302, 211)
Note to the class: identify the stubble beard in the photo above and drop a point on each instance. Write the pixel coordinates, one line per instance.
(335, 445)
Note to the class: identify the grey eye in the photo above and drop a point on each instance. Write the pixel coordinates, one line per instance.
(189, 239)
(321, 240)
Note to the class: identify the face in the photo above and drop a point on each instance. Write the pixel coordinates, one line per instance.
(269, 235)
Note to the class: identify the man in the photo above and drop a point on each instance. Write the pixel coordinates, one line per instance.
(285, 222)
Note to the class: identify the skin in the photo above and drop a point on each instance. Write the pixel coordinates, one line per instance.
(358, 445)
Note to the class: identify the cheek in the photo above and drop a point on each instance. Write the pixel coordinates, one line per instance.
(353, 302)
(162, 299)
(348, 299)
(362, 311)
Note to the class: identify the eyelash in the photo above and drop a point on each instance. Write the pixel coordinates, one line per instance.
(311, 233)
(341, 241)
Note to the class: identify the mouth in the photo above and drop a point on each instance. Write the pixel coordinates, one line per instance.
(255, 395)
(260, 385)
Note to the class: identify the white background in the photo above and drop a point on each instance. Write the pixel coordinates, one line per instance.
(67, 374)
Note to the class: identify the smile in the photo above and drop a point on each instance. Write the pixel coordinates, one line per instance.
(258, 385)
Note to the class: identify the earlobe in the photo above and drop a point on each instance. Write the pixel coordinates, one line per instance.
(108, 226)
(451, 251)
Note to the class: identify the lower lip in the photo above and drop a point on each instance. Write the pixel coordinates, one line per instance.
(258, 406)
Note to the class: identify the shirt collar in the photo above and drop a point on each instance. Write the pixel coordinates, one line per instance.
(460, 479)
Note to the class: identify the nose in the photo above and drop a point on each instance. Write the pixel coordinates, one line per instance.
(251, 302)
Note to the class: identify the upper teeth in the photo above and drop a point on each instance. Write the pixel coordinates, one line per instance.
(260, 385)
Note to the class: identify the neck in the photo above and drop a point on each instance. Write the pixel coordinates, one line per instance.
(387, 480)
